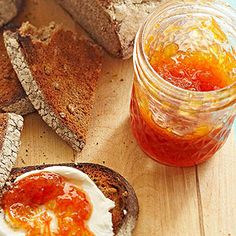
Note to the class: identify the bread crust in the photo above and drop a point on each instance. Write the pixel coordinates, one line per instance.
(112, 23)
(60, 80)
(114, 187)
(11, 126)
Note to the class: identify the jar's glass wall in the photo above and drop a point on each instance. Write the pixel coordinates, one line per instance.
(172, 125)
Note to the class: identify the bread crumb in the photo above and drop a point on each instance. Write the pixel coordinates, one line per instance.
(112, 190)
(62, 114)
(125, 194)
(56, 85)
(71, 108)
(47, 70)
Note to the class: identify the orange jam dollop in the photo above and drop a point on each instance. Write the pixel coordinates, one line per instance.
(30, 202)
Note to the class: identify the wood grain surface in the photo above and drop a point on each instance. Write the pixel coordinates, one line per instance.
(198, 201)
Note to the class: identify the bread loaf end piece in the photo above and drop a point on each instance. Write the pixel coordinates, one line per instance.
(112, 23)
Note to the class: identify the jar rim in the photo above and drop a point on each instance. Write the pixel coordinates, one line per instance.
(217, 5)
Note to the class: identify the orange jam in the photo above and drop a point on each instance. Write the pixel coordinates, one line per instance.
(28, 202)
(192, 71)
(170, 149)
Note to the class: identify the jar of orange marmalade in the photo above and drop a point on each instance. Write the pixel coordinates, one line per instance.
(184, 90)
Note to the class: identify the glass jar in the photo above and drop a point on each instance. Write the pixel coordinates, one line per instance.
(175, 126)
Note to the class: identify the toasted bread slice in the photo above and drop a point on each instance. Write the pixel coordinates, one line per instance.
(59, 73)
(113, 186)
(12, 95)
(8, 10)
(10, 129)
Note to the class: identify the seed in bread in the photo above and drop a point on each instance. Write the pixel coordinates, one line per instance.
(12, 96)
(112, 23)
(10, 130)
(113, 186)
(59, 73)
(8, 10)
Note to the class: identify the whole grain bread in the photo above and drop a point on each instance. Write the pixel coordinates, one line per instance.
(59, 73)
(114, 187)
(112, 23)
(12, 95)
(10, 130)
(8, 10)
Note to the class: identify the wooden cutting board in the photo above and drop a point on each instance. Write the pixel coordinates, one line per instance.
(198, 201)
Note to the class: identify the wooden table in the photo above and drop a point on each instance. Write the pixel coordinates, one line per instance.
(173, 201)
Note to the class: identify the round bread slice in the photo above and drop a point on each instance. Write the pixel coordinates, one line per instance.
(113, 186)
(8, 10)
(10, 130)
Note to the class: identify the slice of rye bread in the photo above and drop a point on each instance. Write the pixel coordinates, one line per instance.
(114, 187)
(112, 23)
(12, 95)
(59, 73)
(8, 10)
(10, 130)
